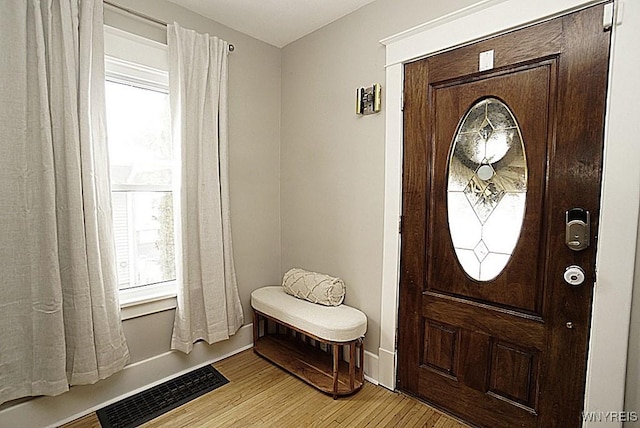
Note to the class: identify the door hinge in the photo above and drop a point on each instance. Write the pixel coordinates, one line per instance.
(402, 100)
(400, 225)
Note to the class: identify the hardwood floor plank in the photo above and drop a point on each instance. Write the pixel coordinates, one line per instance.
(356, 417)
(89, 421)
(393, 419)
(260, 394)
(385, 414)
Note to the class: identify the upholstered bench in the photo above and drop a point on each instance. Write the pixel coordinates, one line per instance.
(310, 340)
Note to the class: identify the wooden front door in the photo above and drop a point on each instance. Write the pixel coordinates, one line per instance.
(493, 160)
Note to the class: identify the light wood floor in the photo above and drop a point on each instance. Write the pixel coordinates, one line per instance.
(262, 395)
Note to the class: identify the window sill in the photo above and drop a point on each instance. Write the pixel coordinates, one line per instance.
(137, 302)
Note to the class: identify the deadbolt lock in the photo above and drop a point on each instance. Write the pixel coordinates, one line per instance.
(578, 223)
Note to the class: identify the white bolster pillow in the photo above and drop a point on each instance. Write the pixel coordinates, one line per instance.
(314, 287)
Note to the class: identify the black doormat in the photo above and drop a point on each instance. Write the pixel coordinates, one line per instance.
(144, 406)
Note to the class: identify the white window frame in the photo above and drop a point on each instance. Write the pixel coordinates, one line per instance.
(134, 60)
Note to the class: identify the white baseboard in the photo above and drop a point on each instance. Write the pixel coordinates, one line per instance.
(81, 400)
(387, 368)
(371, 367)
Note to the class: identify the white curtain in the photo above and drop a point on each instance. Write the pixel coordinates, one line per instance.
(209, 307)
(59, 313)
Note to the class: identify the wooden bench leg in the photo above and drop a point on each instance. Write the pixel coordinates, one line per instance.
(336, 362)
(256, 327)
(352, 364)
(361, 374)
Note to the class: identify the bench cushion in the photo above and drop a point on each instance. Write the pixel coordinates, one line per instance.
(332, 323)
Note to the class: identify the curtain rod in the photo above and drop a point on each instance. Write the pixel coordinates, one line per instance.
(147, 17)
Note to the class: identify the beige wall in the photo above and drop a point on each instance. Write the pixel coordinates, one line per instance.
(254, 140)
(332, 161)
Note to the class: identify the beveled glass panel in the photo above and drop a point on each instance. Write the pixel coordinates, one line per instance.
(470, 149)
(486, 188)
(460, 174)
(466, 229)
(502, 229)
(492, 265)
(469, 262)
(499, 117)
(473, 121)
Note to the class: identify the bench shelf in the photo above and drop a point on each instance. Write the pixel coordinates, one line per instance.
(318, 362)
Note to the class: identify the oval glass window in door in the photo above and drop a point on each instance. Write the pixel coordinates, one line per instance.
(486, 188)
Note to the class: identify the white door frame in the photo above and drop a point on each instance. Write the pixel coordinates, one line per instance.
(616, 246)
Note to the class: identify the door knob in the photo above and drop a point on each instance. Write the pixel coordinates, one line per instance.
(574, 275)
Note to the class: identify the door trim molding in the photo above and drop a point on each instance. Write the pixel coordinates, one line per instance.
(620, 201)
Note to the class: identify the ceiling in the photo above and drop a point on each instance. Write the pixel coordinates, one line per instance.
(277, 22)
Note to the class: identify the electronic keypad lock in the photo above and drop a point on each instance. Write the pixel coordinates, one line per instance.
(578, 223)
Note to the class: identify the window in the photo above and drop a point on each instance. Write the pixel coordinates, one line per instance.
(141, 164)
(141, 161)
